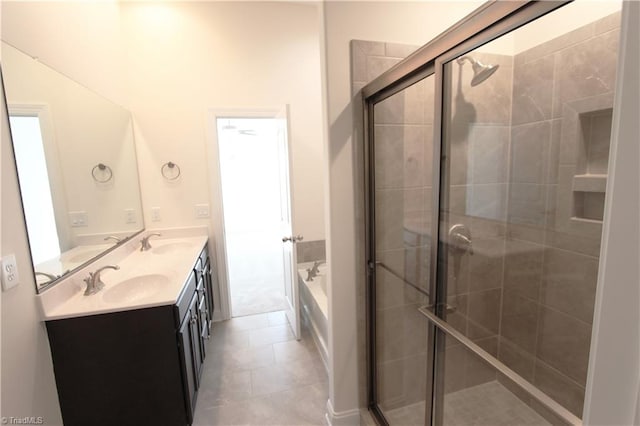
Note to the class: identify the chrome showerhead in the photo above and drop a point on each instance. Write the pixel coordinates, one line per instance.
(481, 72)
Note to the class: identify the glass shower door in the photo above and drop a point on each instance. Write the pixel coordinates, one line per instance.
(481, 297)
(525, 142)
(402, 193)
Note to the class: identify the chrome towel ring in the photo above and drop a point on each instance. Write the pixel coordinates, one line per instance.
(101, 173)
(170, 170)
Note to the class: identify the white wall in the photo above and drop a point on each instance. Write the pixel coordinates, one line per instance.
(413, 23)
(80, 39)
(184, 58)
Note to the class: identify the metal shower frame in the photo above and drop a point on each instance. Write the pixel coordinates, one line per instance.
(490, 21)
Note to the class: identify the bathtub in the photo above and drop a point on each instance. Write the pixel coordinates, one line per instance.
(314, 305)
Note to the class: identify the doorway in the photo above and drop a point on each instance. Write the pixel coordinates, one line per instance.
(255, 199)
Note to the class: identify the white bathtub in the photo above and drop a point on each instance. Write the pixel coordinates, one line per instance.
(314, 304)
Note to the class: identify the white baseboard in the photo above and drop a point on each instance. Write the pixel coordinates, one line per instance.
(342, 418)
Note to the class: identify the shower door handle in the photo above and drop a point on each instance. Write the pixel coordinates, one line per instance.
(293, 238)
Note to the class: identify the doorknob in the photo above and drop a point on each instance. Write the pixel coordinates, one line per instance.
(292, 238)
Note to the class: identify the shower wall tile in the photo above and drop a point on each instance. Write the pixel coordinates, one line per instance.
(519, 321)
(527, 204)
(529, 152)
(560, 388)
(458, 160)
(524, 232)
(569, 283)
(454, 367)
(587, 69)
(607, 23)
(488, 201)
(488, 103)
(562, 42)
(484, 313)
(485, 265)
(377, 65)
(406, 107)
(533, 91)
(310, 251)
(563, 343)
(477, 370)
(554, 152)
(389, 218)
(598, 144)
(415, 169)
(489, 147)
(520, 361)
(389, 156)
(523, 268)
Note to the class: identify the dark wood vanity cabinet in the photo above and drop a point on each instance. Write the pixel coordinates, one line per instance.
(137, 367)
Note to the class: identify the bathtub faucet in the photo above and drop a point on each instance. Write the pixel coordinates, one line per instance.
(313, 271)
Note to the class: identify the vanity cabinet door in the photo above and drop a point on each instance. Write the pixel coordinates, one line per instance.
(185, 340)
(208, 285)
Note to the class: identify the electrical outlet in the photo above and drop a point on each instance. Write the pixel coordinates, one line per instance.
(155, 214)
(10, 277)
(202, 211)
(129, 216)
(78, 219)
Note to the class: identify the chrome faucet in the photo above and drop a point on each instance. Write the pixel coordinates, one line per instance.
(313, 271)
(145, 241)
(94, 283)
(112, 237)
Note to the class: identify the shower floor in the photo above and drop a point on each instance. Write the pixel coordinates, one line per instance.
(486, 404)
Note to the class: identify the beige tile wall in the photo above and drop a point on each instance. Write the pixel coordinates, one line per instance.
(552, 260)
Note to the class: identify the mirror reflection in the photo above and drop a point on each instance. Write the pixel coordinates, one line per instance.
(76, 164)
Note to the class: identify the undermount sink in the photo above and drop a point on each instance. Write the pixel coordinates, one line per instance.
(170, 248)
(135, 289)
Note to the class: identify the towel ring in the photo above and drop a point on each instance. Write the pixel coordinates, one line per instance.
(103, 169)
(169, 168)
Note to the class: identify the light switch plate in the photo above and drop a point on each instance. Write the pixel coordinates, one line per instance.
(155, 214)
(78, 219)
(129, 216)
(10, 277)
(202, 211)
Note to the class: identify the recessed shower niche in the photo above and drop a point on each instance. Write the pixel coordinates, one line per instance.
(593, 156)
(584, 157)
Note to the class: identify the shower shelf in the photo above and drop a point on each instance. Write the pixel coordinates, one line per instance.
(590, 183)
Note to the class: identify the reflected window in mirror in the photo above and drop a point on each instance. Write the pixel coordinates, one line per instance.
(35, 188)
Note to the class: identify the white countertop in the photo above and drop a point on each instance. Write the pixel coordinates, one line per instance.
(174, 263)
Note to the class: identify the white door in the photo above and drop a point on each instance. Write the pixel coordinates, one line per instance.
(286, 226)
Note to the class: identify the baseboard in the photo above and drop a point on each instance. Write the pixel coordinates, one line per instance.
(342, 418)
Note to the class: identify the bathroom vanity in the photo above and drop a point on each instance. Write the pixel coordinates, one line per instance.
(140, 361)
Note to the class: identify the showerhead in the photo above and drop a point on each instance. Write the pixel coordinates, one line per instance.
(481, 72)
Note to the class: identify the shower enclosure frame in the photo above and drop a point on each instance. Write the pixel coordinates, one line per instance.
(485, 24)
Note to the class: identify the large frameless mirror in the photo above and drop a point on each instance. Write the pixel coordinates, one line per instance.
(76, 164)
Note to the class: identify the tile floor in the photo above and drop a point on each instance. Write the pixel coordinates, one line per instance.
(253, 296)
(256, 373)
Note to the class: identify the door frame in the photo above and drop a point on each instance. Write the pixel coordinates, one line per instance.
(215, 188)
